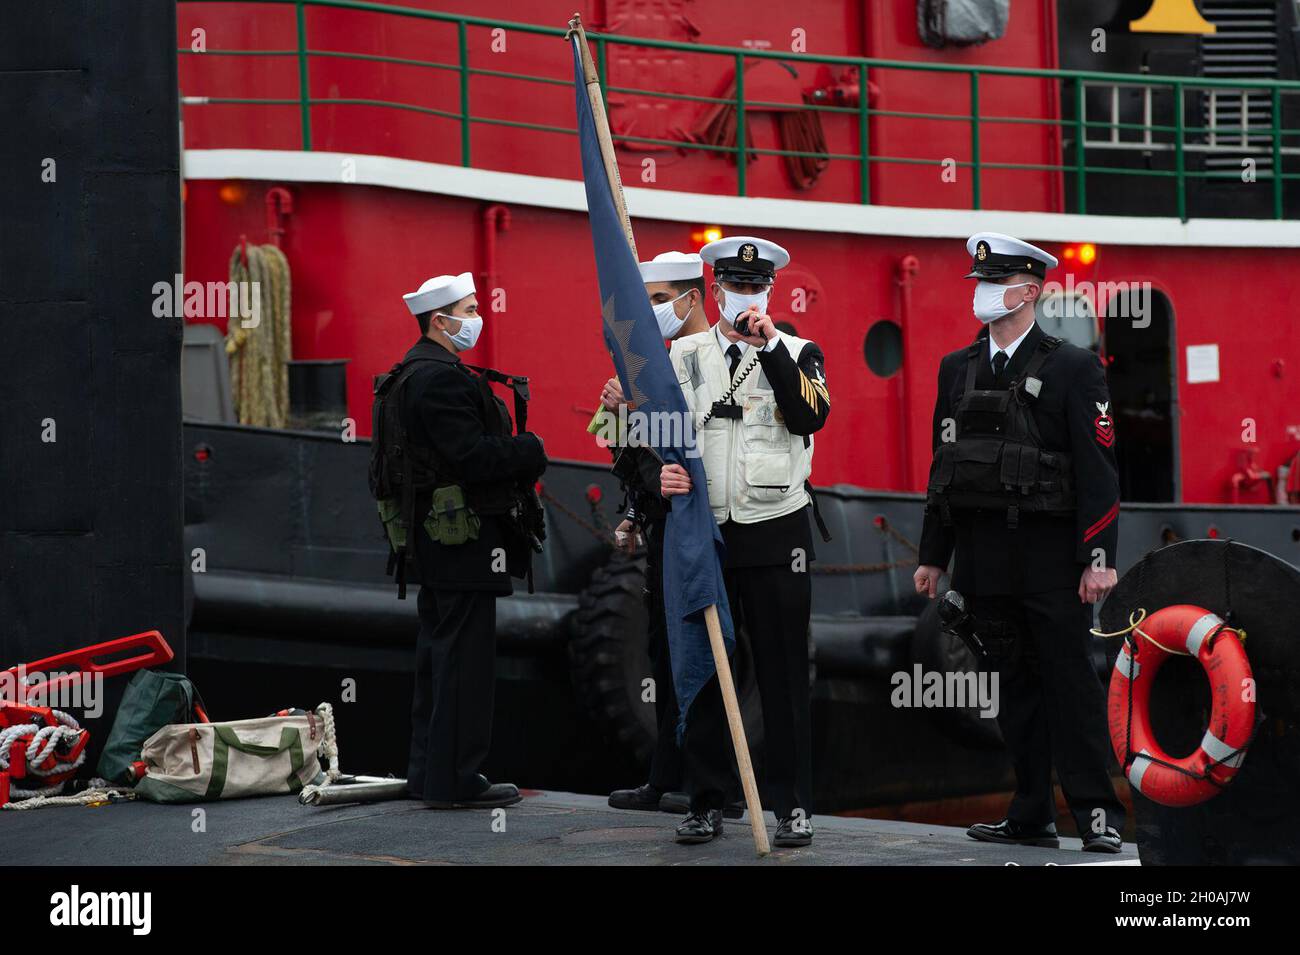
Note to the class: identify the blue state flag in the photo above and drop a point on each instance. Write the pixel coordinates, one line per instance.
(693, 549)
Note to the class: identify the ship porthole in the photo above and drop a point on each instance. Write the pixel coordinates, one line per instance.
(883, 348)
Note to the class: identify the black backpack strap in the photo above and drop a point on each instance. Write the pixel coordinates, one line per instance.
(972, 363)
(518, 385)
(817, 514)
(397, 559)
(1046, 345)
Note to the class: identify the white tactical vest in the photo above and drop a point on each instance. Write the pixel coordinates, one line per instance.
(756, 468)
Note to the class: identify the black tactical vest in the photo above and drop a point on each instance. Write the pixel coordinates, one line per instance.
(998, 461)
(403, 473)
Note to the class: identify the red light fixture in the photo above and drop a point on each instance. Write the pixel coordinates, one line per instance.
(232, 193)
(703, 235)
(1084, 253)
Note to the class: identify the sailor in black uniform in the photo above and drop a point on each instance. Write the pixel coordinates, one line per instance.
(764, 393)
(674, 282)
(467, 548)
(1024, 494)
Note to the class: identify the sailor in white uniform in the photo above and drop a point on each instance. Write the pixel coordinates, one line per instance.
(757, 395)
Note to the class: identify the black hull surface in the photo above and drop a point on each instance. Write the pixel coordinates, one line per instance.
(292, 606)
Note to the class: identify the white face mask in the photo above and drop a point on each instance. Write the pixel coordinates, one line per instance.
(989, 300)
(666, 316)
(734, 304)
(467, 335)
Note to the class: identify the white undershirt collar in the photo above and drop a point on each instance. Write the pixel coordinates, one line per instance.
(724, 343)
(1010, 349)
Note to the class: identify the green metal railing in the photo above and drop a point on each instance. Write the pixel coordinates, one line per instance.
(1185, 137)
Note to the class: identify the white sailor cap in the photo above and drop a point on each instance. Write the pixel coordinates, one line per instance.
(743, 258)
(996, 256)
(439, 291)
(672, 267)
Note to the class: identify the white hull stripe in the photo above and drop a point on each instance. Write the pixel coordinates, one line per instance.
(1200, 630)
(1126, 665)
(1139, 768)
(288, 165)
(1218, 750)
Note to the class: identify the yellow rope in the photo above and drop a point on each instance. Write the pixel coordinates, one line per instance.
(259, 374)
(1132, 625)
(1135, 626)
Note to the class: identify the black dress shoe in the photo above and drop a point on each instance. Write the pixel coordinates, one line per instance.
(1108, 841)
(1013, 833)
(700, 827)
(645, 798)
(792, 832)
(734, 810)
(679, 804)
(493, 796)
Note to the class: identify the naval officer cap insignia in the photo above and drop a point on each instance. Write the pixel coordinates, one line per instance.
(743, 258)
(672, 267)
(996, 256)
(438, 292)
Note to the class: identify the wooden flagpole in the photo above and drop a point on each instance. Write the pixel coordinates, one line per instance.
(723, 665)
(597, 100)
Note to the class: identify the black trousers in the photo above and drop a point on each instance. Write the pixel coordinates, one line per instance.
(451, 709)
(773, 605)
(1052, 711)
(666, 761)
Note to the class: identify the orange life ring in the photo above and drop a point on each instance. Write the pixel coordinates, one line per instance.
(1151, 771)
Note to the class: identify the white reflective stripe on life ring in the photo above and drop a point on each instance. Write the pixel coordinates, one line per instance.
(1219, 751)
(1136, 771)
(1126, 665)
(1200, 630)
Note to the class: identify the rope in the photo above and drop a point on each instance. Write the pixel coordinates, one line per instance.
(43, 743)
(329, 749)
(100, 793)
(861, 568)
(802, 132)
(259, 373)
(602, 536)
(797, 131)
(887, 528)
(1134, 627)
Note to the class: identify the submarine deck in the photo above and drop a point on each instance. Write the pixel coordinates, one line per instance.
(546, 828)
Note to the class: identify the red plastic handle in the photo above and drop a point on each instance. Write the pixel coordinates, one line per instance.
(75, 662)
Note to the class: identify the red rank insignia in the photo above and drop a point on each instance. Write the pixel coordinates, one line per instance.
(1105, 427)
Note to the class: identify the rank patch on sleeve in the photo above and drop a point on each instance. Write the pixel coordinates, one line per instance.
(812, 389)
(1104, 425)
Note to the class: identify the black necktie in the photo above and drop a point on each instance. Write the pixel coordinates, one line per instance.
(733, 358)
(999, 364)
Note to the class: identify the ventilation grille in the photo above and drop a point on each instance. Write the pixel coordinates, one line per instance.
(1245, 47)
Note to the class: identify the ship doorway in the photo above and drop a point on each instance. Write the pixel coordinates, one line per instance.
(1138, 347)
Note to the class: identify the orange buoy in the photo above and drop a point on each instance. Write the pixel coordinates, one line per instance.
(1195, 631)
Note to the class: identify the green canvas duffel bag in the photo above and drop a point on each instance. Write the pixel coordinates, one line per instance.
(196, 762)
(153, 699)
